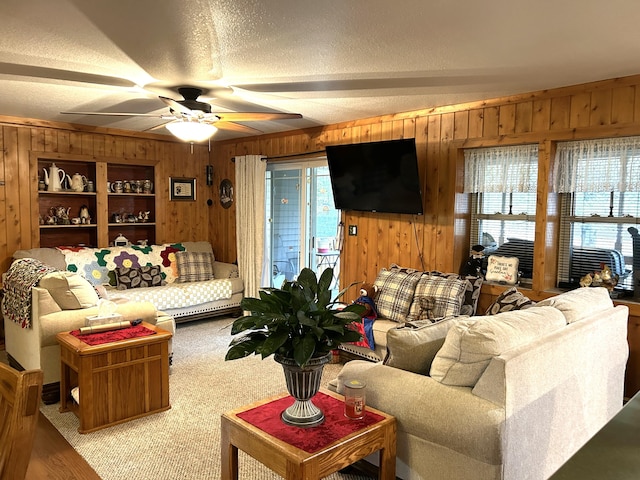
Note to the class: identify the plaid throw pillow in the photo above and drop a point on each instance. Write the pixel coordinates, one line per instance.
(148, 276)
(395, 293)
(194, 266)
(447, 294)
(472, 293)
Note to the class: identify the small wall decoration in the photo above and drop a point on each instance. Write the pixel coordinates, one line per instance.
(182, 188)
(226, 193)
(502, 269)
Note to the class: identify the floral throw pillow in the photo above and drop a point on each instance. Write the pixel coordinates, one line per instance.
(149, 276)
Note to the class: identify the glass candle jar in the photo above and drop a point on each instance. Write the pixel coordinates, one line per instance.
(354, 399)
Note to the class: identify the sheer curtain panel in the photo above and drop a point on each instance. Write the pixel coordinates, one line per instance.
(250, 191)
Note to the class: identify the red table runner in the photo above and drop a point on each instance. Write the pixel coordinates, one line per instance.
(113, 335)
(335, 426)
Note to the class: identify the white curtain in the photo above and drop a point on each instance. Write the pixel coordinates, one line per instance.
(250, 191)
(604, 165)
(501, 169)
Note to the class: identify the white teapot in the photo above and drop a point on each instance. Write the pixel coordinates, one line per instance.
(54, 178)
(78, 182)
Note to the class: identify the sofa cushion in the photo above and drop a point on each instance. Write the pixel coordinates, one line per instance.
(575, 303)
(471, 344)
(447, 293)
(414, 346)
(48, 256)
(510, 299)
(194, 266)
(147, 276)
(395, 293)
(69, 290)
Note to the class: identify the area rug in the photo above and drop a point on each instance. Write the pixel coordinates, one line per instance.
(184, 442)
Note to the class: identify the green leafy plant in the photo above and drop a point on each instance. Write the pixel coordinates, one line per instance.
(298, 321)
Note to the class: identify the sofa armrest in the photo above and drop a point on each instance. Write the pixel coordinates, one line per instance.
(225, 270)
(445, 415)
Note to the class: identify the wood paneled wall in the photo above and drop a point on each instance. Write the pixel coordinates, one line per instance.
(19, 138)
(439, 238)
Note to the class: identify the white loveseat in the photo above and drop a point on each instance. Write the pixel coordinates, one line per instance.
(183, 301)
(509, 396)
(63, 299)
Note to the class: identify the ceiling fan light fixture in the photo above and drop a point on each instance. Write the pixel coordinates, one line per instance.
(191, 131)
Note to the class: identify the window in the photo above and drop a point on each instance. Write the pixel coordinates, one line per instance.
(599, 183)
(503, 184)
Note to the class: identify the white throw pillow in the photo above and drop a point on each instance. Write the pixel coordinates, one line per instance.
(471, 344)
(576, 304)
(70, 290)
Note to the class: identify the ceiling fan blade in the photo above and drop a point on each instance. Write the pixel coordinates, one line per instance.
(56, 74)
(157, 127)
(332, 85)
(121, 114)
(173, 105)
(236, 127)
(254, 116)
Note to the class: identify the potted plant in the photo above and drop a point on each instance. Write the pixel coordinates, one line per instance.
(299, 325)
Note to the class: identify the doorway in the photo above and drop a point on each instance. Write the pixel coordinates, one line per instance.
(301, 222)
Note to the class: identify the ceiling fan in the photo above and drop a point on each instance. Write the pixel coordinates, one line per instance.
(193, 121)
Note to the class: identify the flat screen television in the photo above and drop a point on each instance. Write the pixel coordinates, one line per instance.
(376, 176)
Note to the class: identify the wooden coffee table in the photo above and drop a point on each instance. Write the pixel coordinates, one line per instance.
(291, 462)
(117, 381)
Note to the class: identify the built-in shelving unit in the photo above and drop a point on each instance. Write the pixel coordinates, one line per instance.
(112, 213)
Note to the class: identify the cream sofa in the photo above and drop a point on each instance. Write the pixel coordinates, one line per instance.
(509, 396)
(183, 301)
(56, 308)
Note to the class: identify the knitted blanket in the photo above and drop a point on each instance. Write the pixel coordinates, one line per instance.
(23, 275)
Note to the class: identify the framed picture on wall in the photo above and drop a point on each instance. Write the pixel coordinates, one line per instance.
(182, 188)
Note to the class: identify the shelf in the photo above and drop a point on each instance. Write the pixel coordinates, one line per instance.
(132, 194)
(132, 224)
(86, 225)
(66, 192)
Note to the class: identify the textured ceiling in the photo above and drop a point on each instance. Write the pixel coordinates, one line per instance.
(331, 60)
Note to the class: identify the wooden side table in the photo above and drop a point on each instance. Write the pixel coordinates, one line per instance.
(293, 463)
(117, 381)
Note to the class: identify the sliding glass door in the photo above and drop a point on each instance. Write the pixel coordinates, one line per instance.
(301, 221)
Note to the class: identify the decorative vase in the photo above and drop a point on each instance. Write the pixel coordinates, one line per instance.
(302, 384)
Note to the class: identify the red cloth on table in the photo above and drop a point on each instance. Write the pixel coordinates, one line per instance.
(335, 426)
(113, 335)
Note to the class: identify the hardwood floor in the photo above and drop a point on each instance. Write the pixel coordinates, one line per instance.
(52, 458)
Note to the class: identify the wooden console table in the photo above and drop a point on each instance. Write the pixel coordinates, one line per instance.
(293, 463)
(117, 381)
